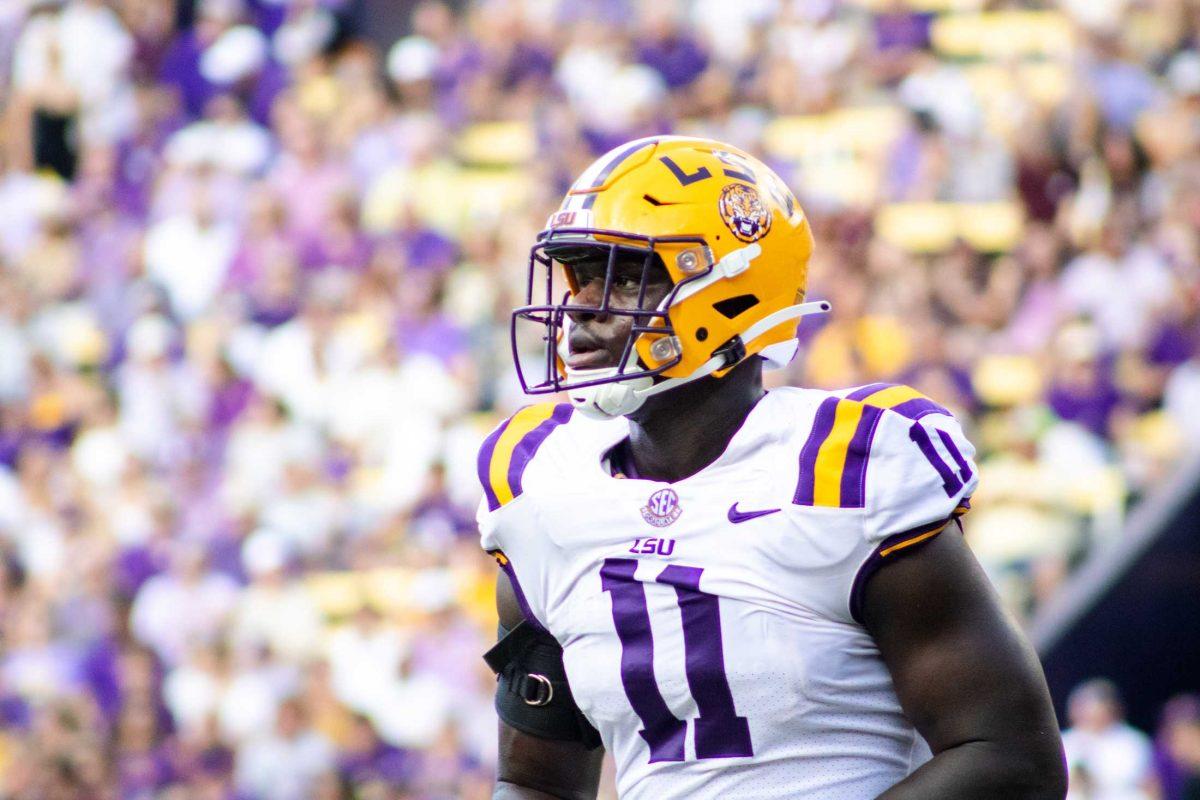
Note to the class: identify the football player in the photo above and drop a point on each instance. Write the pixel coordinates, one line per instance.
(738, 593)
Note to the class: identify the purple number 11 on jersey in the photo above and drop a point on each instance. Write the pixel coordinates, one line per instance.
(720, 732)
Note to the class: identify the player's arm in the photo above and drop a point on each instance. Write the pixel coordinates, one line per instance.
(966, 678)
(535, 767)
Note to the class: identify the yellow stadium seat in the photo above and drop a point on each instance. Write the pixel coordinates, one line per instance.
(934, 227)
(850, 181)
(1046, 82)
(861, 130)
(497, 144)
(387, 590)
(990, 227)
(917, 227)
(837, 156)
(1003, 34)
(476, 597)
(478, 192)
(337, 594)
(1007, 380)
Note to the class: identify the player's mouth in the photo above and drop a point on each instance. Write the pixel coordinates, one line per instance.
(587, 352)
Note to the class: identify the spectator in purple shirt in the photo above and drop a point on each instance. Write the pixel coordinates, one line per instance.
(1082, 389)
(668, 48)
(180, 66)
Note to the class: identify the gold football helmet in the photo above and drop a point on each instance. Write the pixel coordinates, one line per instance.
(733, 240)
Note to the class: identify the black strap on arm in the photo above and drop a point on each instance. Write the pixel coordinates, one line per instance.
(532, 694)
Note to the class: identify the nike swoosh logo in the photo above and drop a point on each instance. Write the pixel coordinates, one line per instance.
(736, 516)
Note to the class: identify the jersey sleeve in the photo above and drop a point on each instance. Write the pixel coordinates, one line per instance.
(507, 526)
(921, 472)
(919, 479)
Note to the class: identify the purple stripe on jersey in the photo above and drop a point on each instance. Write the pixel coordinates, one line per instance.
(918, 407)
(964, 469)
(526, 611)
(720, 732)
(526, 448)
(950, 481)
(875, 561)
(854, 475)
(662, 731)
(822, 425)
(866, 391)
(618, 159)
(484, 464)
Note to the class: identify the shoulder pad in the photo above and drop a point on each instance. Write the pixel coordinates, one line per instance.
(507, 452)
(834, 458)
(903, 400)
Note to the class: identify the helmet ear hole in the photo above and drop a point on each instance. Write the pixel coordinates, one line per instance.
(701, 334)
(736, 306)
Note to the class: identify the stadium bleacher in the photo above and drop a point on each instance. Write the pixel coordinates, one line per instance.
(255, 278)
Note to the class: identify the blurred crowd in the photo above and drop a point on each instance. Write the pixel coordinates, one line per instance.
(255, 274)
(1108, 759)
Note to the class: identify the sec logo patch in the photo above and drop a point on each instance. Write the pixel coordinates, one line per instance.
(662, 508)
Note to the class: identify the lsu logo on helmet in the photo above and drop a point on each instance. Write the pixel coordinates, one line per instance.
(744, 212)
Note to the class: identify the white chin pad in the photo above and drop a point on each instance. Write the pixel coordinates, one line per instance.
(779, 355)
(607, 400)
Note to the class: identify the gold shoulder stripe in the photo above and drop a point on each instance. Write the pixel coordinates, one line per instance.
(521, 424)
(831, 458)
(893, 396)
(915, 540)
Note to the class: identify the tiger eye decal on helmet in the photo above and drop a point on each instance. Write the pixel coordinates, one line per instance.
(744, 212)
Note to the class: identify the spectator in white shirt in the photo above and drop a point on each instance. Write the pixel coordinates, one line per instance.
(85, 45)
(274, 610)
(189, 254)
(1107, 758)
(1146, 282)
(285, 764)
(156, 395)
(364, 659)
(182, 607)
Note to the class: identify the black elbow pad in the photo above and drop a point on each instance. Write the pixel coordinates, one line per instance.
(532, 694)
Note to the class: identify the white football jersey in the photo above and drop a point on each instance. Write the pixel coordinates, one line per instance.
(710, 627)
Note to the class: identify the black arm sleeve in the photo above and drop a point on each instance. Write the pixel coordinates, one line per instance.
(532, 694)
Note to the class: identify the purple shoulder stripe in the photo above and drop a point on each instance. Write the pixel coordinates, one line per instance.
(913, 409)
(522, 602)
(964, 469)
(822, 426)
(526, 448)
(618, 160)
(854, 475)
(862, 393)
(918, 407)
(483, 463)
(950, 481)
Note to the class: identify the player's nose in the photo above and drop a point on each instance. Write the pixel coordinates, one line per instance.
(591, 298)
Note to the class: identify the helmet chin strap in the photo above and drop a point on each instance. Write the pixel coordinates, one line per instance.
(623, 397)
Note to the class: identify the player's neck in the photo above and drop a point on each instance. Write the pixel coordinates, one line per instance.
(680, 432)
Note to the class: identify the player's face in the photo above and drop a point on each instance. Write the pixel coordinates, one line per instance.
(597, 339)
